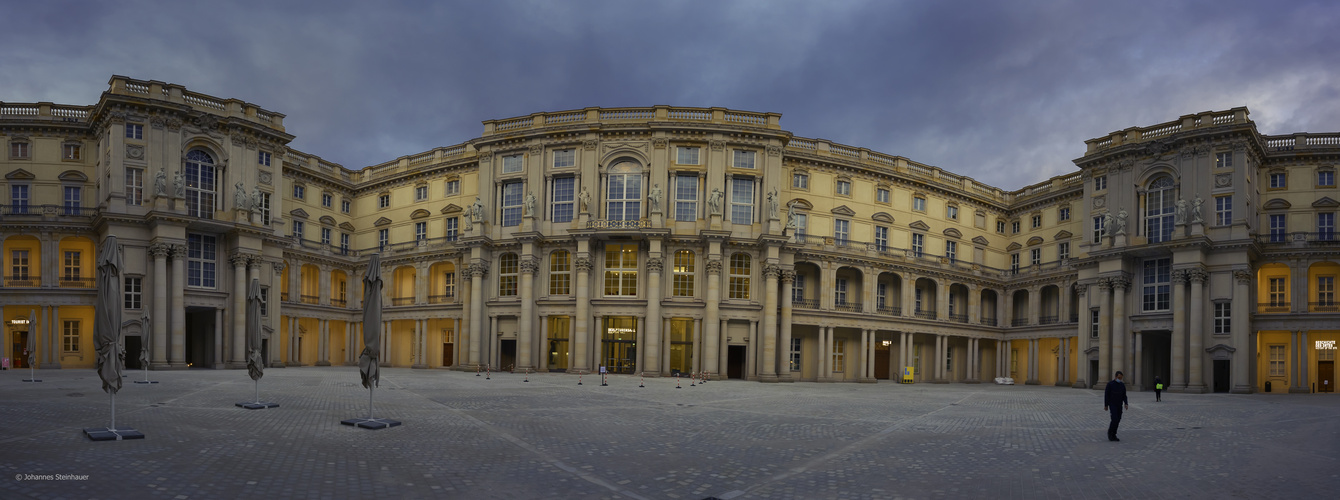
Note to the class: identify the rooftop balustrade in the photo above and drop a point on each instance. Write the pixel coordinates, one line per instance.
(232, 108)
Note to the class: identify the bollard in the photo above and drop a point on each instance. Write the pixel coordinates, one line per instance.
(527, 375)
(706, 375)
(476, 370)
(488, 371)
(603, 381)
(677, 381)
(693, 380)
(579, 378)
(640, 376)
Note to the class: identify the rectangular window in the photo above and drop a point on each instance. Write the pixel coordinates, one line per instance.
(420, 231)
(1326, 178)
(564, 192)
(795, 354)
(621, 270)
(298, 229)
(1000, 226)
(71, 151)
(1098, 226)
(1014, 263)
(1223, 318)
(841, 231)
(1063, 214)
(383, 238)
(951, 251)
(70, 336)
(511, 204)
(1326, 226)
(1037, 221)
(882, 295)
(1223, 160)
(840, 292)
(800, 181)
(560, 273)
(1223, 210)
(742, 201)
(683, 271)
(882, 195)
(200, 260)
(201, 174)
(1277, 228)
(1157, 288)
(802, 222)
(420, 193)
(453, 187)
(327, 200)
(263, 158)
(686, 197)
(265, 208)
(1326, 291)
(623, 197)
(344, 243)
(686, 155)
(325, 236)
(844, 188)
(743, 159)
(299, 191)
(839, 355)
(1278, 292)
(134, 186)
(1063, 250)
(919, 203)
(453, 228)
(1093, 323)
(1014, 227)
(134, 131)
(71, 269)
(134, 291)
(18, 198)
(1277, 360)
(508, 274)
(918, 244)
(1100, 183)
(18, 150)
(449, 284)
(513, 163)
(1035, 257)
(564, 158)
(383, 201)
(881, 238)
(344, 206)
(73, 197)
(916, 299)
(951, 212)
(798, 288)
(1278, 180)
(740, 274)
(265, 300)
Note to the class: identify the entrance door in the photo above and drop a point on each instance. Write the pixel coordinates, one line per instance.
(133, 346)
(619, 344)
(1221, 375)
(735, 361)
(1093, 373)
(20, 349)
(1326, 376)
(448, 353)
(200, 338)
(881, 364)
(507, 354)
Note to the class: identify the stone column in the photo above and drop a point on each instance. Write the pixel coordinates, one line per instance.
(1008, 318)
(864, 361)
(909, 295)
(1197, 330)
(651, 353)
(698, 349)
(823, 354)
(1032, 370)
(1119, 287)
(784, 361)
(1137, 377)
(580, 332)
(1063, 374)
(939, 359)
(178, 358)
(477, 273)
(768, 369)
(237, 357)
(904, 348)
(159, 324)
(1034, 305)
(218, 336)
(942, 300)
(974, 304)
(464, 339)
(1244, 354)
(752, 359)
(1303, 368)
(525, 329)
(1082, 291)
(323, 342)
(712, 316)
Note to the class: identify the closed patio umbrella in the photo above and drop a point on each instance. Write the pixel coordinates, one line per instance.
(370, 358)
(255, 364)
(32, 346)
(107, 337)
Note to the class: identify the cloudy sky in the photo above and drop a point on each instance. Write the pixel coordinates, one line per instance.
(1003, 91)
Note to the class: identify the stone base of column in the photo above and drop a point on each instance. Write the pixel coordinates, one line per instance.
(1176, 388)
(1063, 384)
(1080, 384)
(654, 375)
(350, 363)
(938, 381)
(1242, 389)
(322, 363)
(169, 366)
(300, 364)
(869, 380)
(825, 380)
(1195, 389)
(972, 381)
(768, 379)
(418, 367)
(178, 365)
(235, 365)
(278, 364)
(1300, 390)
(1032, 382)
(786, 378)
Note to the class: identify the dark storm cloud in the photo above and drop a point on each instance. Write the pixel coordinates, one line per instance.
(1005, 92)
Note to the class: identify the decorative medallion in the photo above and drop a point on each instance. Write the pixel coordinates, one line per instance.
(135, 152)
(1099, 201)
(1223, 180)
(263, 176)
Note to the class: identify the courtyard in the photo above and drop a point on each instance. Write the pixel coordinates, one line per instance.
(467, 436)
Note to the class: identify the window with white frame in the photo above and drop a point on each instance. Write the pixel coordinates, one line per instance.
(1223, 318)
(686, 155)
(841, 231)
(839, 355)
(840, 292)
(1035, 257)
(383, 238)
(1093, 322)
(564, 158)
(299, 191)
(134, 131)
(71, 151)
(683, 273)
(1014, 263)
(560, 273)
(70, 336)
(843, 187)
(1100, 183)
(1098, 226)
(1326, 226)
(1325, 178)
(1063, 214)
(686, 197)
(511, 203)
(18, 198)
(1063, 250)
(882, 195)
(881, 295)
(71, 271)
(74, 196)
(1277, 228)
(743, 158)
(327, 200)
(298, 229)
(800, 180)
(134, 292)
(918, 244)
(1014, 227)
(134, 186)
(420, 231)
(951, 212)
(508, 272)
(623, 198)
(916, 299)
(1157, 284)
(1277, 360)
(344, 243)
(563, 193)
(919, 203)
(951, 251)
(1277, 292)
(1000, 226)
(1223, 210)
(201, 260)
(513, 163)
(453, 228)
(452, 188)
(384, 200)
(741, 200)
(621, 270)
(265, 301)
(200, 184)
(325, 236)
(263, 158)
(1279, 180)
(420, 194)
(741, 266)
(798, 288)
(794, 356)
(345, 205)
(18, 150)
(1223, 160)
(881, 238)
(265, 208)
(802, 221)
(1326, 291)
(1037, 221)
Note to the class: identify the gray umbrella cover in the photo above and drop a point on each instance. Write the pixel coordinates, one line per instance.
(107, 316)
(372, 322)
(32, 337)
(255, 365)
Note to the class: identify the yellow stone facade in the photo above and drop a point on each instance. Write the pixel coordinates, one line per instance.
(666, 240)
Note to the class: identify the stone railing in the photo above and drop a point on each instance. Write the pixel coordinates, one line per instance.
(154, 89)
(1302, 141)
(407, 163)
(654, 114)
(1185, 123)
(44, 111)
(875, 159)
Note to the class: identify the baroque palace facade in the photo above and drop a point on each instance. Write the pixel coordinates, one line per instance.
(667, 240)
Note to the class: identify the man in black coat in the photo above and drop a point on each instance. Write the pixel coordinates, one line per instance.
(1114, 400)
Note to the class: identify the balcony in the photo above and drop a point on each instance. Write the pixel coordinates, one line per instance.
(1326, 306)
(805, 303)
(848, 306)
(1322, 239)
(924, 314)
(961, 318)
(1019, 322)
(283, 296)
(890, 310)
(989, 321)
(27, 212)
(618, 224)
(1074, 318)
(74, 282)
(445, 298)
(339, 302)
(402, 301)
(1049, 320)
(309, 299)
(1272, 307)
(22, 281)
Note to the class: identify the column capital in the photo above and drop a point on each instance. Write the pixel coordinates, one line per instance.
(788, 276)
(160, 250)
(530, 265)
(279, 266)
(1081, 289)
(582, 264)
(714, 266)
(1197, 275)
(1121, 282)
(655, 265)
(1243, 277)
(239, 259)
(479, 269)
(1105, 284)
(178, 252)
(1179, 276)
(771, 271)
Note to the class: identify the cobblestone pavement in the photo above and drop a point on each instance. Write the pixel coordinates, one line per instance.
(468, 437)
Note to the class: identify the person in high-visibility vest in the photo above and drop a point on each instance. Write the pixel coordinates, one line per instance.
(1158, 389)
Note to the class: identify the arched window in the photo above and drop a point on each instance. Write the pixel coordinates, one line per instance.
(739, 276)
(201, 177)
(507, 275)
(683, 274)
(623, 192)
(1160, 202)
(560, 273)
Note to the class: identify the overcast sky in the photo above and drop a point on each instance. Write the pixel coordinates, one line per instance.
(1002, 91)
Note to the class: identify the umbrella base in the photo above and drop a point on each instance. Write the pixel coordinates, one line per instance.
(110, 434)
(371, 423)
(257, 405)
(32, 380)
(146, 381)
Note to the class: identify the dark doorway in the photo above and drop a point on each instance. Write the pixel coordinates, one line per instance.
(200, 338)
(735, 361)
(448, 353)
(1093, 373)
(1326, 376)
(133, 346)
(1221, 375)
(265, 352)
(1157, 357)
(506, 354)
(881, 364)
(20, 350)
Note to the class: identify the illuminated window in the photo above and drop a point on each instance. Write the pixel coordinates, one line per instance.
(560, 273)
(1278, 292)
(507, 275)
(682, 280)
(1157, 286)
(1223, 160)
(70, 336)
(1277, 360)
(621, 270)
(839, 355)
(740, 272)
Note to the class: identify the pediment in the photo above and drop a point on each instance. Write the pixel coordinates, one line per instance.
(451, 209)
(882, 217)
(419, 214)
(327, 220)
(1326, 202)
(298, 213)
(1220, 352)
(1014, 246)
(382, 222)
(919, 225)
(980, 240)
(347, 226)
(953, 233)
(1064, 235)
(20, 175)
(73, 175)
(1036, 240)
(843, 210)
(801, 204)
(1276, 204)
